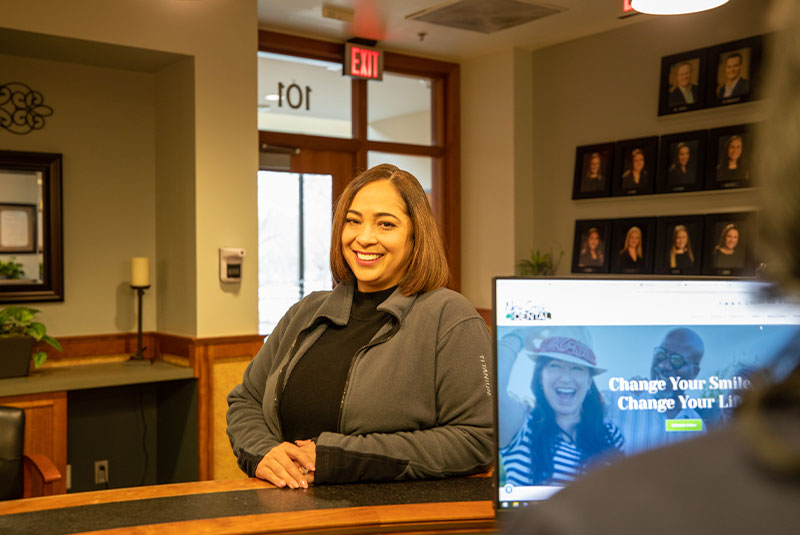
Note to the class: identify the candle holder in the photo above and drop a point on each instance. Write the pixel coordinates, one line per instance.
(138, 358)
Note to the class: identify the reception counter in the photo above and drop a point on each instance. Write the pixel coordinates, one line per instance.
(252, 506)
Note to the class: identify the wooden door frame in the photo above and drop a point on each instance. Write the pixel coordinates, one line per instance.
(445, 124)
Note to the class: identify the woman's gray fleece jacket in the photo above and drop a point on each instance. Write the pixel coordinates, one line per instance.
(417, 401)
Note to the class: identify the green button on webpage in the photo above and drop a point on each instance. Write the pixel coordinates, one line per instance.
(684, 425)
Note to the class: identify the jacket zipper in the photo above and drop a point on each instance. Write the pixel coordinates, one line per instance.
(388, 335)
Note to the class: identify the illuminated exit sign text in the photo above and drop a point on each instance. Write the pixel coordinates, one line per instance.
(363, 61)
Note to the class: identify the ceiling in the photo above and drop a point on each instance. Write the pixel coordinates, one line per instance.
(576, 18)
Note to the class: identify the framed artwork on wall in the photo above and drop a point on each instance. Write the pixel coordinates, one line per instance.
(32, 221)
(679, 245)
(632, 244)
(590, 249)
(683, 81)
(730, 242)
(635, 166)
(17, 228)
(593, 167)
(730, 157)
(734, 71)
(682, 164)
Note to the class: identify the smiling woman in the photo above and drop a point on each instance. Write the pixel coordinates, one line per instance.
(376, 237)
(400, 194)
(383, 378)
(565, 432)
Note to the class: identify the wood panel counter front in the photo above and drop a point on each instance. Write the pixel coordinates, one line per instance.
(460, 505)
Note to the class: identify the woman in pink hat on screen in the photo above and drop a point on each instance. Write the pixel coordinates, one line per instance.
(565, 432)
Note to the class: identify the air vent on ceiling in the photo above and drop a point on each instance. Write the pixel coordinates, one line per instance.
(345, 14)
(484, 16)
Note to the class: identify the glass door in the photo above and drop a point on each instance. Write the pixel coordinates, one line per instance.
(295, 207)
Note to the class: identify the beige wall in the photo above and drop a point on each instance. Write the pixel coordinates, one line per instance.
(204, 164)
(176, 201)
(496, 169)
(487, 170)
(103, 126)
(596, 89)
(523, 158)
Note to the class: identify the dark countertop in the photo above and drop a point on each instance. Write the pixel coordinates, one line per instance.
(84, 376)
(243, 502)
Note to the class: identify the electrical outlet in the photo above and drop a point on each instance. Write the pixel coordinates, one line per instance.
(100, 472)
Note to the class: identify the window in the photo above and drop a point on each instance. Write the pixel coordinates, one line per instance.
(402, 120)
(294, 229)
(406, 119)
(303, 96)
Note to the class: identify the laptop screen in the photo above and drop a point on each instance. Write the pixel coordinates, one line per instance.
(590, 371)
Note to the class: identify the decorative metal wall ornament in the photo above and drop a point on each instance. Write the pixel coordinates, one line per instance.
(21, 108)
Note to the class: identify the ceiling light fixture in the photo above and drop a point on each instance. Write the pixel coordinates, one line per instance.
(674, 7)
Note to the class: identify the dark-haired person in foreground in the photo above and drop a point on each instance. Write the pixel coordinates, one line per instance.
(384, 378)
(739, 478)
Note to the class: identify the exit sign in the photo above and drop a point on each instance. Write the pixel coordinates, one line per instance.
(362, 61)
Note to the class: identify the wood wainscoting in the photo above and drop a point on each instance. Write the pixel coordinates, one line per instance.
(217, 364)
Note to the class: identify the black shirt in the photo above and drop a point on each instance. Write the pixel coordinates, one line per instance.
(313, 394)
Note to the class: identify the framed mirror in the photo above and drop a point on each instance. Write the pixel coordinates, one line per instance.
(31, 245)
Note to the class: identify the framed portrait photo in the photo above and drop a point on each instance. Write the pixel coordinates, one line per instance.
(593, 167)
(683, 162)
(635, 166)
(729, 244)
(683, 79)
(730, 151)
(632, 244)
(734, 72)
(679, 245)
(590, 250)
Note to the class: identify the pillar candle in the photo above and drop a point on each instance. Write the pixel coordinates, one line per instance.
(140, 271)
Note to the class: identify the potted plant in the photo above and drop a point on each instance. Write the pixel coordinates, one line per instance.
(20, 336)
(539, 264)
(11, 269)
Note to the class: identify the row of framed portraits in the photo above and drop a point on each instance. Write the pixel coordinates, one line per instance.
(716, 76)
(714, 244)
(719, 158)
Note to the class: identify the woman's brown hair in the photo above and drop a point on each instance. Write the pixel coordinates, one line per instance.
(427, 264)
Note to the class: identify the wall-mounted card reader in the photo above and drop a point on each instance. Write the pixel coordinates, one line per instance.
(230, 264)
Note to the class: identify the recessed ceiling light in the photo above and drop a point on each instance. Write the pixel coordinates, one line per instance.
(272, 97)
(674, 7)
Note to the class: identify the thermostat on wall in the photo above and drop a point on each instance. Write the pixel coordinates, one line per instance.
(230, 264)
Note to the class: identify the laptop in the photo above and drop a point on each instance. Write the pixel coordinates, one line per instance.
(590, 371)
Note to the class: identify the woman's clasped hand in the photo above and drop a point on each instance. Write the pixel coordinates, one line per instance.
(289, 465)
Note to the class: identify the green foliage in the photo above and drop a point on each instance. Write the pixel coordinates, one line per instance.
(19, 321)
(539, 264)
(11, 269)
